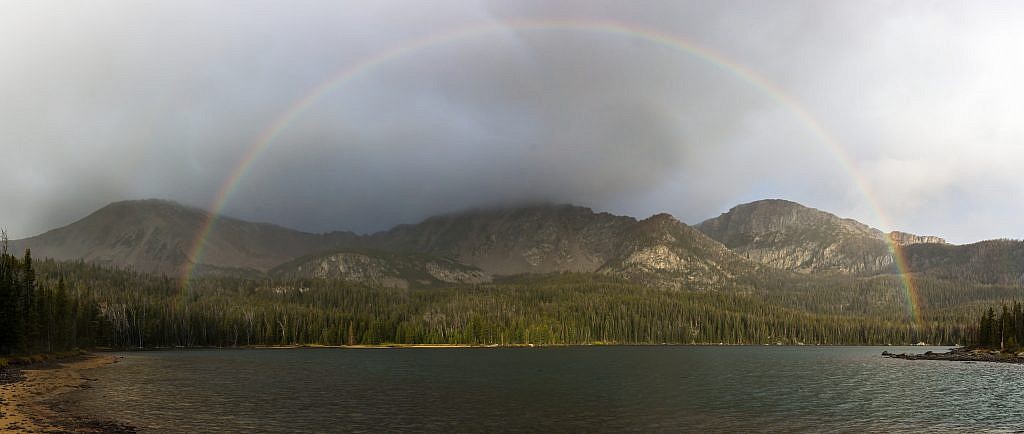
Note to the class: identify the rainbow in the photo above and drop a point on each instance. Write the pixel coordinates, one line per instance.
(365, 65)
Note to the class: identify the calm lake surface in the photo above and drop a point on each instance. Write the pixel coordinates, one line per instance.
(582, 389)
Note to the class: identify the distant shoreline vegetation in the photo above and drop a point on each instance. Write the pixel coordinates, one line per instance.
(998, 339)
(394, 346)
(97, 306)
(1005, 331)
(652, 281)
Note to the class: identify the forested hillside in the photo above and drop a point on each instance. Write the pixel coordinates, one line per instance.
(123, 309)
(592, 278)
(989, 262)
(44, 317)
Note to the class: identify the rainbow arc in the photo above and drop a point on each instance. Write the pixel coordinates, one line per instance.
(668, 41)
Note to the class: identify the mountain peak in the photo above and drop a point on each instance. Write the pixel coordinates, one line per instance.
(789, 235)
(778, 215)
(155, 235)
(662, 217)
(151, 204)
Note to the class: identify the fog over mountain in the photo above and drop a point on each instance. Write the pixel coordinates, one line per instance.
(118, 100)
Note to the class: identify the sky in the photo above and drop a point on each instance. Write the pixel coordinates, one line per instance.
(904, 115)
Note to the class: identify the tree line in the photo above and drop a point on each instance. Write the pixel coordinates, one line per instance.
(41, 318)
(50, 305)
(1005, 331)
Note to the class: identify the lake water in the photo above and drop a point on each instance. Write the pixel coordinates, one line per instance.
(581, 389)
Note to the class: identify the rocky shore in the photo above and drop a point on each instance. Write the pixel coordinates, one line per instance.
(30, 397)
(964, 354)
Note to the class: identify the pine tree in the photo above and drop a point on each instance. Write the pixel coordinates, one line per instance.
(63, 314)
(31, 324)
(985, 329)
(8, 300)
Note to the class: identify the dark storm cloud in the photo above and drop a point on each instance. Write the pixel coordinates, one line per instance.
(117, 100)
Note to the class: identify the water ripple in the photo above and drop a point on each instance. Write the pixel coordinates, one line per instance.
(634, 389)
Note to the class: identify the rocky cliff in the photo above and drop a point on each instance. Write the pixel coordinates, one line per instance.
(905, 239)
(790, 236)
(667, 252)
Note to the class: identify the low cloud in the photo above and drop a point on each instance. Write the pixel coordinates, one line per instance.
(121, 100)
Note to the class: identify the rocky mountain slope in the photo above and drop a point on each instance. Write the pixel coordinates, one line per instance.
(555, 238)
(396, 270)
(667, 252)
(790, 236)
(155, 236)
(529, 239)
(471, 247)
(468, 247)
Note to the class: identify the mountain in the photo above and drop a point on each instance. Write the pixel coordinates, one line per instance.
(556, 238)
(467, 247)
(666, 252)
(790, 236)
(470, 247)
(529, 239)
(155, 236)
(989, 262)
(397, 270)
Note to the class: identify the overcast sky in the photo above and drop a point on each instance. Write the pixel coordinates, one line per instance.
(104, 101)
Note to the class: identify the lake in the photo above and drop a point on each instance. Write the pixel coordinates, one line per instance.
(581, 389)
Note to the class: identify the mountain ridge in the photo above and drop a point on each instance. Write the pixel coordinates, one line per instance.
(155, 236)
(791, 236)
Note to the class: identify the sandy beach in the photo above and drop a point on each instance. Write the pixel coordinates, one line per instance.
(29, 393)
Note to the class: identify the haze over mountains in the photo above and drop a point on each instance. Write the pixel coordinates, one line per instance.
(475, 246)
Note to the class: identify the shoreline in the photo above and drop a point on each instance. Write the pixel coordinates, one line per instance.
(30, 395)
(963, 354)
(492, 346)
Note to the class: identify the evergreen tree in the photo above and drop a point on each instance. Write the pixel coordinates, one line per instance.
(8, 299)
(993, 327)
(31, 307)
(986, 330)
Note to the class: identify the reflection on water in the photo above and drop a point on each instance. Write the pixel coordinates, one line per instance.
(581, 389)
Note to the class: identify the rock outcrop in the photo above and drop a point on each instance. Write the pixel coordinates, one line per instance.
(790, 236)
(382, 268)
(905, 239)
(666, 252)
